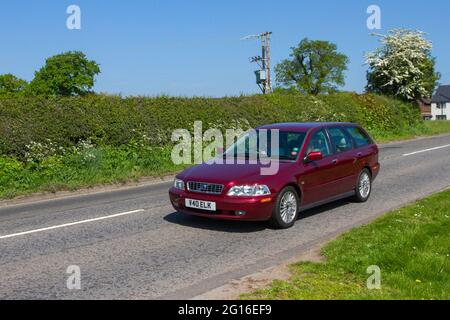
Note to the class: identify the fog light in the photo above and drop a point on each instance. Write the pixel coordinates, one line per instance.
(175, 203)
(240, 213)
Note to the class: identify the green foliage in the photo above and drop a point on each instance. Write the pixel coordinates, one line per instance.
(403, 66)
(84, 165)
(410, 246)
(315, 67)
(11, 85)
(66, 143)
(116, 121)
(64, 75)
(437, 127)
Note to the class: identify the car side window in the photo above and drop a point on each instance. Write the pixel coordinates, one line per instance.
(319, 143)
(341, 140)
(360, 137)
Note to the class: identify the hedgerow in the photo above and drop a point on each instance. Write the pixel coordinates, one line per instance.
(115, 121)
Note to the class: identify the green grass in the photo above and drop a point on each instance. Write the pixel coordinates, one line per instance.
(437, 127)
(411, 246)
(429, 128)
(71, 171)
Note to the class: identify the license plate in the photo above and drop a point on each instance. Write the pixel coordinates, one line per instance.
(202, 205)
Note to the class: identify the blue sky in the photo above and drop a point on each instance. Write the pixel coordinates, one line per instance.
(192, 47)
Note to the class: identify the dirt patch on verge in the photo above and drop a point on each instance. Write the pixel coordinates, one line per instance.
(261, 279)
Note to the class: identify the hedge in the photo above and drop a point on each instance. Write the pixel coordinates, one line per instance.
(115, 121)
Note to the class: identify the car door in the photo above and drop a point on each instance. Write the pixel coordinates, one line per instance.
(345, 160)
(363, 150)
(318, 176)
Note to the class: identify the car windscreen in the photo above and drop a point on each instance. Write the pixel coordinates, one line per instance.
(263, 143)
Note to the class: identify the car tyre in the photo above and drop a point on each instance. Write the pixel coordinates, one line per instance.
(363, 188)
(286, 210)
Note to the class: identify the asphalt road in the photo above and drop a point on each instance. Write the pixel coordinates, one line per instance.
(151, 252)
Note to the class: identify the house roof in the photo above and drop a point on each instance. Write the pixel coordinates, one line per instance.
(424, 101)
(442, 94)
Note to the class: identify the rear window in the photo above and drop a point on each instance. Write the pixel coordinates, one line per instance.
(360, 138)
(341, 139)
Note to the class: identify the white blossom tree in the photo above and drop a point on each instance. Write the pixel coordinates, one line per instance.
(403, 66)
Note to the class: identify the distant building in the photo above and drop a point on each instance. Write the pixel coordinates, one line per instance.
(425, 108)
(440, 104)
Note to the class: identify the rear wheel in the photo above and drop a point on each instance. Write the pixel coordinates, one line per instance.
(286, 209)
(363, 186)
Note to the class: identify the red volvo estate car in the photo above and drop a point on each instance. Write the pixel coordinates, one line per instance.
(317, 163)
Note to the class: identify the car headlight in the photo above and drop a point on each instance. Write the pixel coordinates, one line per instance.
(249, 191)
(178, 184)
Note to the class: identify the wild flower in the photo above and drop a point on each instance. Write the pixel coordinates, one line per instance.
(36, 152)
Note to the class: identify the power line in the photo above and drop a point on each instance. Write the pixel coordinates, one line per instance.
(263, 76)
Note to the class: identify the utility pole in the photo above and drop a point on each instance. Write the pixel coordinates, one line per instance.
(263, 76)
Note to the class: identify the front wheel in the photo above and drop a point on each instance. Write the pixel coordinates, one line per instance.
(286, 209)
(363, 186)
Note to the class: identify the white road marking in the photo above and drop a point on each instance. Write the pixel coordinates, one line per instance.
(426, 150)
(70, 224)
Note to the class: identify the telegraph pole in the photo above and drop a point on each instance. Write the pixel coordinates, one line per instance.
(266, 61)
(263, 76)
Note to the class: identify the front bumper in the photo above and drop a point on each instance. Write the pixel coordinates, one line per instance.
(256, 208)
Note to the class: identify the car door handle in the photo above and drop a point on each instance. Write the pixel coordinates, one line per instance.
(359, 154)
(335, 161)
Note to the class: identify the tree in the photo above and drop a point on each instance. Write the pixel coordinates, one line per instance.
(403, 66)
(67, 74)
(315, 67)
(10, 84)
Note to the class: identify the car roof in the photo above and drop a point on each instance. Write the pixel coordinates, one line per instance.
(302, 126)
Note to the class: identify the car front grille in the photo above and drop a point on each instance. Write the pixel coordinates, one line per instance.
(202, 187)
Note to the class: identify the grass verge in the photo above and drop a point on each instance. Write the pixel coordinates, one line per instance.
(411, 246)
(429, 128)
(83, 168)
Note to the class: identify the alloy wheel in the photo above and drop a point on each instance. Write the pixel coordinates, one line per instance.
(288, 207)
(364, 185)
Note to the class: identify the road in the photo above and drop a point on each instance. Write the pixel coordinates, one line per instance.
(130, 244)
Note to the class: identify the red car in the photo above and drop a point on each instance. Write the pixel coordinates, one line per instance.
(318, 163)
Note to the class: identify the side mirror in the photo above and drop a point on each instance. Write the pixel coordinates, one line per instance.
(314, 156)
